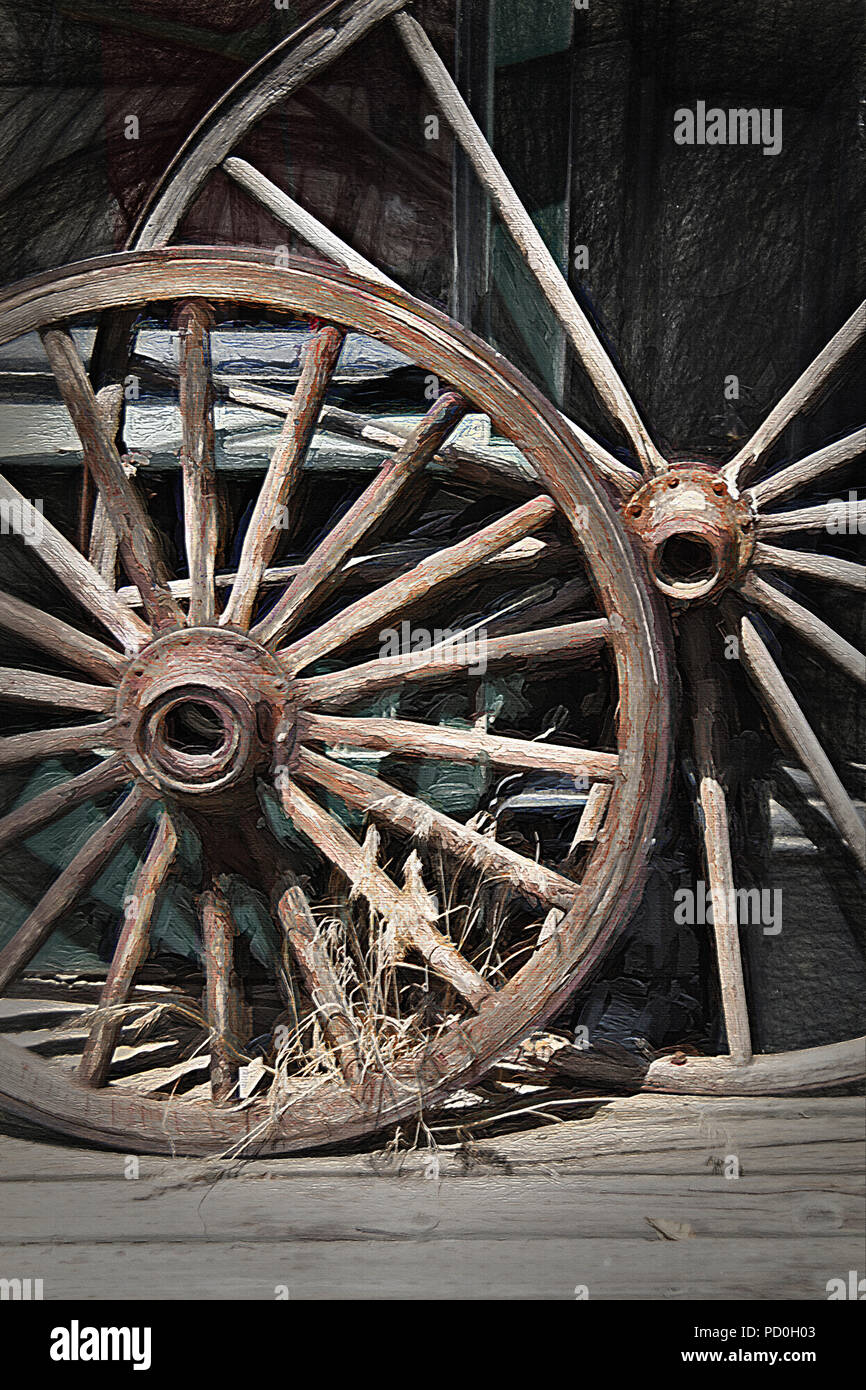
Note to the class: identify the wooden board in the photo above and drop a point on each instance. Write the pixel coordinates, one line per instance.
(629, 1201)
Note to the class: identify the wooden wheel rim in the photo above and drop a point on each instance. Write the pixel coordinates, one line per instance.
(640, 643)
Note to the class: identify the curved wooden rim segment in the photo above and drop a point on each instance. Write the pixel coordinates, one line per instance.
(311, 48)
(767, 1073)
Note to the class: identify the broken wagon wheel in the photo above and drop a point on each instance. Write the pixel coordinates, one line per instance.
(241, 728)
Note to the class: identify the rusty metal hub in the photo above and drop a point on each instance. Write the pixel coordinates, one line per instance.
(197, 710)
(698, 535)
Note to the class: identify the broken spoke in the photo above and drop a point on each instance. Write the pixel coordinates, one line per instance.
(408, 917)
(415, 818)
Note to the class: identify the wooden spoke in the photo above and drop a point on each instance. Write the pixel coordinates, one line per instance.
(138, 544)
(35, 688)
(200, 519)
(292, 215)
(410, 920)
(281, 479)
(19, 749)
(76, 574)
(405, 738)
(707, 719)
(797, 734)
(60, 638)
(129, 954)
(768, 1073)
(805, 393)
(468, 462)
(551, 281)
(321, 981)
(537, 605)
(287, 211)
(379, 564)
(453, 660)
(40, 810)
(439, 570)
(102, 548)
(818, 465)
(591, 817)
(623, 480)
(415, 818)
(317, 576)
(807, 625)
(836, 518)
(87, 864)
(829, 569)
(221, 989)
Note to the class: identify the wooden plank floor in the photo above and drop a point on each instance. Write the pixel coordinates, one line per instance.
(630, 1202)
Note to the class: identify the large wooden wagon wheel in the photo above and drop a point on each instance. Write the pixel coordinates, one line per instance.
(717, 543)
(413, 947)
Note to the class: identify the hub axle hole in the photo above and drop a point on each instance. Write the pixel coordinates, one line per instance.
(685, 559)
(193, 727)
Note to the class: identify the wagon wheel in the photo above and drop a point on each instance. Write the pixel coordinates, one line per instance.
(239, 727)
(710, 541)
(704, 534)
(711, 536)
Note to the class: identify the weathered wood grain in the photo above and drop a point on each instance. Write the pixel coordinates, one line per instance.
(40, 810)
(807, 626)
(60, 638)
(796, 476)
(416, 819)
(129, 953)
(829, 569)
(797, 734)
(281, 480)
(93, 856)
(447, 661)
(437, 572)
(77, 575)
(200, 512)
(408, 738)
(521, 1216)
(317, 575)
(707, 725)
(137, 541)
